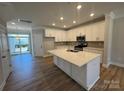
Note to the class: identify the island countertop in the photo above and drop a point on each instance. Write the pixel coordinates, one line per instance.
(77, 58)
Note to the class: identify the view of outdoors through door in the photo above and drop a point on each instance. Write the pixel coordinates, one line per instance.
(19, 43)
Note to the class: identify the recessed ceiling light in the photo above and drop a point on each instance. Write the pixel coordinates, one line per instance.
(79, 7)
(74, 22)
(53, 24)
(92, 14)
(61, 18)
(64, 26)
(13, 23)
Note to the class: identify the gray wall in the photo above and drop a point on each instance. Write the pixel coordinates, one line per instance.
(117, 49)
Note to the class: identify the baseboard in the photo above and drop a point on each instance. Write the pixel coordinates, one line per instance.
(105, 65)
(2, 85)
(47, 55)
(117, 64)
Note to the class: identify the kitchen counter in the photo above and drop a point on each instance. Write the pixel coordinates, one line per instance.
(83, 67)
(77, 58)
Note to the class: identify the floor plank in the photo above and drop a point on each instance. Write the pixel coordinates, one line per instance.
(40, 74)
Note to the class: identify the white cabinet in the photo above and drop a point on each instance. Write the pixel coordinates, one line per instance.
(88, 33)
(60, 35)
(78, 74)
(71, 35)
(85, 75)
(93, 32)
(98, 30)
(63, 65)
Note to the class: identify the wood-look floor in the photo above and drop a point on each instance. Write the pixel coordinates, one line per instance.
(35, 74)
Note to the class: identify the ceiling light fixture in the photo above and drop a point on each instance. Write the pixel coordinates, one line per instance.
(74, 22)
(61, 18)
(53, 24)
(92, 14)
(64, 26)
(79, 7)
(13, 23)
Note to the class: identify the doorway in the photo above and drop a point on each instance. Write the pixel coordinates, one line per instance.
(19, 43)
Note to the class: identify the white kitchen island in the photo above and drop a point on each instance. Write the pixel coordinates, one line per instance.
(83, 67)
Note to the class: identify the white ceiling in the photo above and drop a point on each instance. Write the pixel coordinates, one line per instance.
(46, 13)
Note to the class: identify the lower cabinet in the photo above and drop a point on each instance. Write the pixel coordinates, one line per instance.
(55, 60)
(63, 65)
(79, 74)
(85, 75)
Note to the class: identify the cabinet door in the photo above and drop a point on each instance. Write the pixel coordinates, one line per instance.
(98, 31)
(63, 65)
(67, 67)
(95, 32)
(88, 32)
(63, 35)
(46, 33)
(60, 63)
(57, 36)
(74, 35)
(79, 74)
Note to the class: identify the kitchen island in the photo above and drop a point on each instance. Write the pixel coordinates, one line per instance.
(83, 67)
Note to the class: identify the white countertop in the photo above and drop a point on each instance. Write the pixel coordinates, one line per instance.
(77, 58)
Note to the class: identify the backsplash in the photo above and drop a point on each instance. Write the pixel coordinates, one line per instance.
(96, 44)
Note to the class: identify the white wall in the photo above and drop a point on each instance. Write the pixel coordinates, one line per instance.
(114, 36)
(117, 49)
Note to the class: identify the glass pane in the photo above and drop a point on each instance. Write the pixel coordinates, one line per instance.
(24, 43)
(19, 43)
(14, 45)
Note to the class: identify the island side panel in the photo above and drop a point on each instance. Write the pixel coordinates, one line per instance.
(63, 65)
(55, 60)
(93, 72)
(79, 75)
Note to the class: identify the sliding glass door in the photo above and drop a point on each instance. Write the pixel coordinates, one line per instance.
(19, 43)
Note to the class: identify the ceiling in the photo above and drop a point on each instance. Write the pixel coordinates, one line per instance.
(44, 14)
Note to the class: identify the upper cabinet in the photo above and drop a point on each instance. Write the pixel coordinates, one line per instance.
(93, 32)
(98, 30)
(60, 35)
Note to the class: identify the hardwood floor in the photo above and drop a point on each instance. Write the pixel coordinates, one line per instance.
(35, 74)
